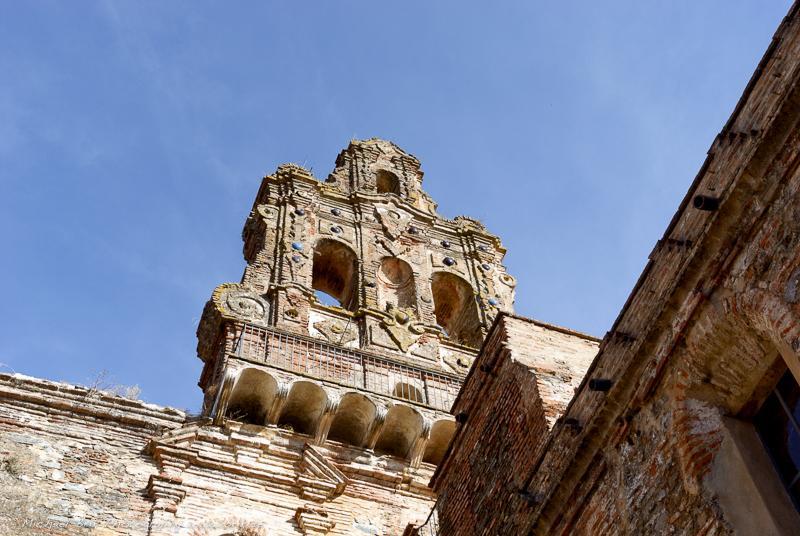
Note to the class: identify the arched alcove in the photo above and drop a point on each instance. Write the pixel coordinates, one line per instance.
(455, 308)
(353, 419)
(335, 272)
(441, 434)
(387, 182)
(304, 407)
(396, 284)
(252, 396)
(402, 427)
(408, 392)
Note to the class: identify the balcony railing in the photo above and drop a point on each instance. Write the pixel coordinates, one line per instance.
(346, 366)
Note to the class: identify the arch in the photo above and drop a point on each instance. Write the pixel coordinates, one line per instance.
(387, 182)
(335, 272)
(252, 396)
(455, 308)
(442, 433)
(402, 427)
(353, 419)
(408, 392)
(396, 284)
(304, 407)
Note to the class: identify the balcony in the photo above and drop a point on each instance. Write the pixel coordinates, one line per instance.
(345, 366)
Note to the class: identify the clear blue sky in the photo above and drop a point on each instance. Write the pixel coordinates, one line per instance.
(133, 136)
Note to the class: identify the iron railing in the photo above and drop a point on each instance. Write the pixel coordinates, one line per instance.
(346, 366)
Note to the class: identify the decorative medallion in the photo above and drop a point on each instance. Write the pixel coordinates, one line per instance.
(246, 305)
(508, 280)
(267, 212)
(232, 300)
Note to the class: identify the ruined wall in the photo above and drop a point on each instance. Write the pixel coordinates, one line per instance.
(521, 383)
(78, 461)
(73, 460)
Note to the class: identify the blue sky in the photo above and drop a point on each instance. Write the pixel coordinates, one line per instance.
(133, 136)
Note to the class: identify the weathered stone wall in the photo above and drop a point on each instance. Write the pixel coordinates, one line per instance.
(73, 460)
(78, 461)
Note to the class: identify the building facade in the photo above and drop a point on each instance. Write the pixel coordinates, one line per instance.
(329, 372)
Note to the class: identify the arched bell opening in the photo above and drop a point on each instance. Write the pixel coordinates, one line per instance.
(353, 419)
(252, 396)
(441, 434)
(455, 309)
(304, 407)
(408, 392)
(387, 182)
(334, 274)
(396, 284)
(402, 427)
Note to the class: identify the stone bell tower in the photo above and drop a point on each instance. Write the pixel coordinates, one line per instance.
(357, 317)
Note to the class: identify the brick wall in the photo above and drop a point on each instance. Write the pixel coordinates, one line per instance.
(522, 381)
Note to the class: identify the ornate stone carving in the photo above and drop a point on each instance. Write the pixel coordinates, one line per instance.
(393, 219)
(247, 305)
(508, 280)
(391, 248)
(337, 331)
(228, 301)
(403, 326)
(267, 212)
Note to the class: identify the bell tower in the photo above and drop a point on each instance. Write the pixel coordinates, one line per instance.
(358, 314)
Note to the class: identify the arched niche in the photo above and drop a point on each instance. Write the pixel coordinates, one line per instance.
(252, 396)
(402, 427)
(303, 408)
(408, 392)
(335, 272)
(353, 419)
(387, 182)
(455, 308)
(396, 284)
(441, 434)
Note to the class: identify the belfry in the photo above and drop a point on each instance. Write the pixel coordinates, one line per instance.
(358, 315)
